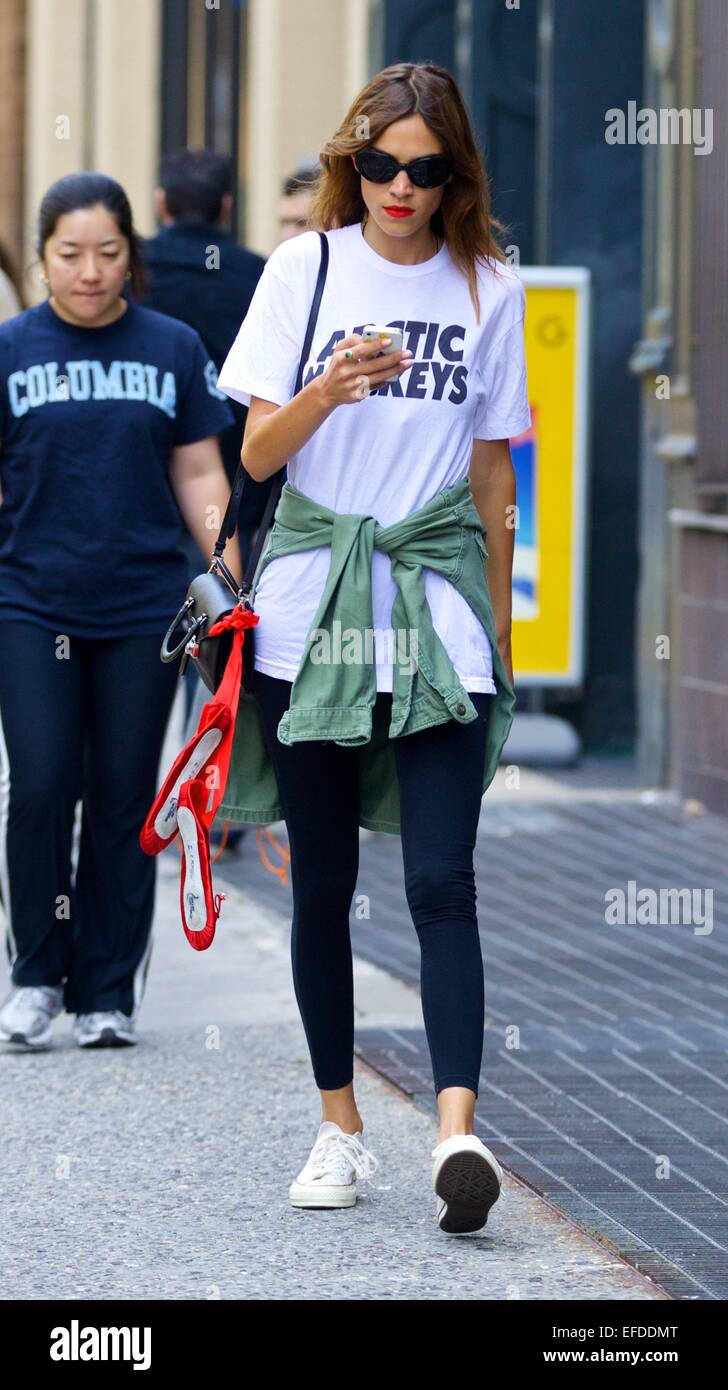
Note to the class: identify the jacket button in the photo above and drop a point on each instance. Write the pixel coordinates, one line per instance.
(460, 708)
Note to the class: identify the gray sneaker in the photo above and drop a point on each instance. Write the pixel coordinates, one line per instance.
(28, 1012)
(110, 1029)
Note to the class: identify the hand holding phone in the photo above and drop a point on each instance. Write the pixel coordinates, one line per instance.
(373, 330)
(352, 378)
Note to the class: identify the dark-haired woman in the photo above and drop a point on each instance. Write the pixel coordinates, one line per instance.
(403, 198)
(109, 414)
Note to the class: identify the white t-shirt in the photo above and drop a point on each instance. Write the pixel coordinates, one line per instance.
(386, 455)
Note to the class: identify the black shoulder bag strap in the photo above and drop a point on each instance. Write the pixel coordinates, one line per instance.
(233, 507)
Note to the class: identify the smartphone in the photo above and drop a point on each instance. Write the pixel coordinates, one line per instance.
(375, 330)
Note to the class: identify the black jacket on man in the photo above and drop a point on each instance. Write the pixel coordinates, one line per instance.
(215, 302)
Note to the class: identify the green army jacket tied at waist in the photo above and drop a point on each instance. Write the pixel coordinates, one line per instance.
(335, 699)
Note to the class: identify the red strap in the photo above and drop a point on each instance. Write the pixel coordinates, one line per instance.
(226, 697)
(228, 693)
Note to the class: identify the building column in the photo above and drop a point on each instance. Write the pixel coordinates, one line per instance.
(92, 100)
(56, 108)
(126, 99)
(305, 64)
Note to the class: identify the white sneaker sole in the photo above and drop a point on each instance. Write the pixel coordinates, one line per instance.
(316, 1195)
(467, 1185)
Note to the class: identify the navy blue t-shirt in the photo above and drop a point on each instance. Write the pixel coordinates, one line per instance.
(90, 529)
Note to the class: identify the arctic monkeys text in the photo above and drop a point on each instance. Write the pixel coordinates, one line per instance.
(438, 372)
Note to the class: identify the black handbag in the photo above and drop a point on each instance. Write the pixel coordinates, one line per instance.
(209, 595)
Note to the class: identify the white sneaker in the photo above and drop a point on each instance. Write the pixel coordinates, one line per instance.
(328, 1178)
(28, 1012)
(110, 1029)
(467, 1179)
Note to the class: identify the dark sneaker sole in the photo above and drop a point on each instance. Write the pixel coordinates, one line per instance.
(469, 1187)
(109, 1039)
(20, 1040)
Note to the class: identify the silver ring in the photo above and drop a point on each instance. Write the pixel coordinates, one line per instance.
(349, 353)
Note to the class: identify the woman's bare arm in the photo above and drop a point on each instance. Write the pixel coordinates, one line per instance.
(493, 485)
(285, 429)
(200, 485)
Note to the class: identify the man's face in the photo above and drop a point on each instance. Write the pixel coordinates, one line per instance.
(293, 214)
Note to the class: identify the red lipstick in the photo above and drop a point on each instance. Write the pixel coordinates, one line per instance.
(399, 212)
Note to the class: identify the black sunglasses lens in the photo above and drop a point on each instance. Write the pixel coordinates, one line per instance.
(376, 166)
(429, 172)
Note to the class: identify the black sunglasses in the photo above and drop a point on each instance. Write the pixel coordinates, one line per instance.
(378, 167)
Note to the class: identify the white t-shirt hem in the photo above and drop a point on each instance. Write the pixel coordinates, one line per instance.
(483, 685)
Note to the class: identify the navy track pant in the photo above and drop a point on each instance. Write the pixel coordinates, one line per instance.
(83, 725)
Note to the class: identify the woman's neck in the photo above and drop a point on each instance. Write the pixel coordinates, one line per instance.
(115, 311)
(409, 250)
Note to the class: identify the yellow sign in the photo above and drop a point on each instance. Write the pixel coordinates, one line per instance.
(550, 462)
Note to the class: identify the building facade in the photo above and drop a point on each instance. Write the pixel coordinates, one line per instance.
(682, 362)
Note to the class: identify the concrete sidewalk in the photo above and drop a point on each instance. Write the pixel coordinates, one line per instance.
(162, 1171)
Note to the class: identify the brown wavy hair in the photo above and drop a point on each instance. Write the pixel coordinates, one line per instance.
(464, 217)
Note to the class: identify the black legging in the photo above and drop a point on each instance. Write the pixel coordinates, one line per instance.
(83, 722)
(440, 780)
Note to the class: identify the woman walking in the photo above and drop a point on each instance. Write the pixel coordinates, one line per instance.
(403, 200)
(108, 420)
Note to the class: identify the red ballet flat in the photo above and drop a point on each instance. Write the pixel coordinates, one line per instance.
(200, 907)
(194, 788)
(210, 744)
(160, 826)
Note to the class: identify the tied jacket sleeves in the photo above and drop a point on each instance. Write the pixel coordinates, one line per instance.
(333, 695)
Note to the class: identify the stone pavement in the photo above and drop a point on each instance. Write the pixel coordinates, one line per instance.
(162, 1171)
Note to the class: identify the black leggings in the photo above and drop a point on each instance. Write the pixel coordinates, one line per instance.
(440, 781)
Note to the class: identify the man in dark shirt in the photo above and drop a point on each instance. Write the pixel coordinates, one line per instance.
(198, 273)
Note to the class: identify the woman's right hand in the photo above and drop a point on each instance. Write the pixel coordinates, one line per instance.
(347, 380)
